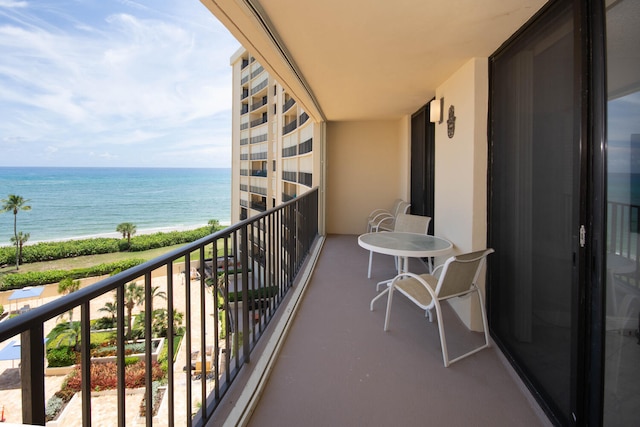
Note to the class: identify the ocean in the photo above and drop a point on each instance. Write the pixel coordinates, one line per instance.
(69, 203)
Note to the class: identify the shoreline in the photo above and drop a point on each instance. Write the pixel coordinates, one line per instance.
(116, 235)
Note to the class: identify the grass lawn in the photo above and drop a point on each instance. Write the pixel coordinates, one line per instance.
(91, 260)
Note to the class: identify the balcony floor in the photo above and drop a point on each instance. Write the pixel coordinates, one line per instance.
(338, 367)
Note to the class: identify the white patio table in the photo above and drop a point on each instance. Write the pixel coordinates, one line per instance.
(404, 246)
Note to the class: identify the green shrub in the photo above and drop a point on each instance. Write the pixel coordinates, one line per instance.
(266, 292)
(61, 356)
(103, 323)
(49, 251)
(160, 240)
(54, 405)
(128, 360)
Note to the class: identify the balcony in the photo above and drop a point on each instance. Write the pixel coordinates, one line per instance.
(339, 366)
(259, 121)
(288, 104)
(259, 172)
(335, 354)
(259, 103)
(289, 127)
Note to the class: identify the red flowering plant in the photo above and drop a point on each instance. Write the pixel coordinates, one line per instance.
(104, 376)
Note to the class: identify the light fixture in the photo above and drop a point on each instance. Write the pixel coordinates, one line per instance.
(435, 110)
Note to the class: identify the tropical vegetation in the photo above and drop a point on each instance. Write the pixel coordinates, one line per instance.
(39, 278)
(48, 251)
(127, 229)
(14, 203)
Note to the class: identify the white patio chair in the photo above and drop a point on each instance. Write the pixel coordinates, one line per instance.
(383, 219)
(406, 223)
(458, 277)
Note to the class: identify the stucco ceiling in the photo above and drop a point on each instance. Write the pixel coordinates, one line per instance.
(369, 59)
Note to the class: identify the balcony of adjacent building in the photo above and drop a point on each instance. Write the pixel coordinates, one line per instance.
(258, 119)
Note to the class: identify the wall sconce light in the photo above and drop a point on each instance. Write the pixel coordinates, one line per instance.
(435, 110)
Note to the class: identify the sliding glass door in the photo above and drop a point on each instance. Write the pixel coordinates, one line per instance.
(534, 207)
(622, 345)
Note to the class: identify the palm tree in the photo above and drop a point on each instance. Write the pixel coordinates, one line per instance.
(127, 229)
(14, 203)
(67, 286)
(214, 225)
(110, 308)
(133, 295)
(22, 239)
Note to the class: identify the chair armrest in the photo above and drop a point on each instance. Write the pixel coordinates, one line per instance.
(435, 271)
(377, 212)
(416, 277)
(381, 217)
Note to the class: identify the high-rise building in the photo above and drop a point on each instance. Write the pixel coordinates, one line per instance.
(273, 158)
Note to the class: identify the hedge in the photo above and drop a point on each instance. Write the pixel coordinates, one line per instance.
(38, 278)
(49, 251)
(254, 294)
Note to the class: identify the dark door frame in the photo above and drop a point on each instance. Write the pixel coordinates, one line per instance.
(423, 134)
(589, 313)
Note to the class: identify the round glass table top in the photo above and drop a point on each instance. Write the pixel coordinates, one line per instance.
(405, 244)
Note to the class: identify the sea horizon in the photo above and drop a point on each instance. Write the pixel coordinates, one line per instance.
(69, 203)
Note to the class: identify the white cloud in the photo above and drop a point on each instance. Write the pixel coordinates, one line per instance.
(97, 75)
(11, 3)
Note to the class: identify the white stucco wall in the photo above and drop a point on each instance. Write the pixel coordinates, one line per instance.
(461, 169)
(367, 167)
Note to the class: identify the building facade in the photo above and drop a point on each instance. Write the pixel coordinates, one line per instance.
(272, 141)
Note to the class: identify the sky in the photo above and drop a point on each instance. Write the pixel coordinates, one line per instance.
(114, 83)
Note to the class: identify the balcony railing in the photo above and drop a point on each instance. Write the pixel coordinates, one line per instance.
(306, 146)
(259, 86)
(289, 176)
(259, 172)
(259, 138)
(258, 190)
(290, 151)
(259, 121)
(289, 127)
(288, 104)
(257, 71)
(289, 232)
(259, 206)
(259, 156)
(259, 104)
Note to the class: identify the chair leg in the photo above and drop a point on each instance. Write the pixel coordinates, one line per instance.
(486, 335)
(485, 323)
(388, 313)
(443, 338)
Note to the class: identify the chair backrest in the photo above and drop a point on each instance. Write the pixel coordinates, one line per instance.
(395, 206)
(460, 272)
(412, 223)
(402, 208)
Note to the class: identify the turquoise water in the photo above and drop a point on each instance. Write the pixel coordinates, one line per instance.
(82, 202)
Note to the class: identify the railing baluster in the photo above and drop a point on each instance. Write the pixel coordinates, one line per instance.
(32, 375)
(170, 340)
(244, 250)
(148, 319)
(187, 333)
(85, 365)
(120, 322)
(216, 324)
(203, 335)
